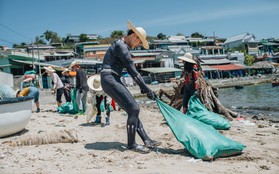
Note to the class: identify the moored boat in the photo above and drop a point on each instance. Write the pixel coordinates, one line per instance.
(275, 83)
(15, 114)
(238, 87)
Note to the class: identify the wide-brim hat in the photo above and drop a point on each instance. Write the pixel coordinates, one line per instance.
(188, 57)
(49, 69)
(94, 83)
(74, 63)
(16, 91)
(65, 70)
(140, 32)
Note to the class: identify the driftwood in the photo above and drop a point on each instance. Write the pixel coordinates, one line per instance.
(61, 136)
(208, 96)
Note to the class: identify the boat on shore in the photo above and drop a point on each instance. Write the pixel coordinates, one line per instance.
(15, 114)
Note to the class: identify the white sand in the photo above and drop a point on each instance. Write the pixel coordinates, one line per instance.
(102, 149)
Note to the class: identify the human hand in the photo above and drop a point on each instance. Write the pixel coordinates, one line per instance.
(80, 90)
(53, 91)
(143, 91)
(151, 95)
(196, 93)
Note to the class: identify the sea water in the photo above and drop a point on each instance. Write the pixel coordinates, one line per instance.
(255, 99)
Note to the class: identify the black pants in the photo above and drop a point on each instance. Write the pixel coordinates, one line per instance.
(112, 86)
(67, 94)
(98, 104)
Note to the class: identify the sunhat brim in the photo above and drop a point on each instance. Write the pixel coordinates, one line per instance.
(90, 81)
(66, 70)
(73, 64)
(49, 69)
(142, 38)
(187, 59)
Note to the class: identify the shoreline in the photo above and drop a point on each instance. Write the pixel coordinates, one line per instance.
(219, 83)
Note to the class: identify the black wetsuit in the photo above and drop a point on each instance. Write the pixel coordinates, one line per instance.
(116, 59)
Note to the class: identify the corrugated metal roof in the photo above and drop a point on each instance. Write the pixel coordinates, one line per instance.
(208, 68)
(227, 67)
(161, 70)
(244, 36)
(145, 54)
(215, 61)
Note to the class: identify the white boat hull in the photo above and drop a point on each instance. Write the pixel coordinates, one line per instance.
(15, 114)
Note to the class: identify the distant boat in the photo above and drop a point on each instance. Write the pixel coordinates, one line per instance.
(15, 114)
(238, 87)
(275, 83)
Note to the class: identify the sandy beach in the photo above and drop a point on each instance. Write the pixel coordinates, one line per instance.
(101, 149)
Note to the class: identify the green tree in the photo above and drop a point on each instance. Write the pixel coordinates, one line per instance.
(180, 34)
(249, 59)
(197, 35)
(161, 36)
(117, 34)
(39, 40)
(52, 37)
(240, 48)
(83, 37)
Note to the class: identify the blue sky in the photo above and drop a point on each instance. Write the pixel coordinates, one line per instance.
(23, 20)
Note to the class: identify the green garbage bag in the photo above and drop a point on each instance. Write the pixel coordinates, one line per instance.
(69, 107)
(201, 140)
(198, 111)
(102, 106)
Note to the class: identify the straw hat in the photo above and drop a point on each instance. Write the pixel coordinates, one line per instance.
(49, 69)
(140, 32)
(74, 63)
(65, 70)
(94, 83)
(17, 91)
(188, 57)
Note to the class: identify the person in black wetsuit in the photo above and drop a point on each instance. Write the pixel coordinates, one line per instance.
(117, 58)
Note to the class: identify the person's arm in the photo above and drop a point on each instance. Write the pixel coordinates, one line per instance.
(55, 80)
(79, 80)
(122, 51)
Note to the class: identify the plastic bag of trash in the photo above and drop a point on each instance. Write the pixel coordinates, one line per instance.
(69, 107)
(199, 112)
(102, 106)
(201, 140)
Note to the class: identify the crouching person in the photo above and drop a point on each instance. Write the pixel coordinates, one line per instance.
(30, 92)
(97, 96)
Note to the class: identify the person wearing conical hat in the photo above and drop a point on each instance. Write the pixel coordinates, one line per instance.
(117, 58)
(58, 86)
(191, 75)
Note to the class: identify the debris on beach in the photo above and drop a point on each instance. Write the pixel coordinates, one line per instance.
(41, 138)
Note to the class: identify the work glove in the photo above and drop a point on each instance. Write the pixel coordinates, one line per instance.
(80, 90)
(144, 90)
(151, 95)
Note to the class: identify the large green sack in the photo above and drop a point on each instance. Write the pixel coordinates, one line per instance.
(198, 111)
(69, 107)
(201, 140)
